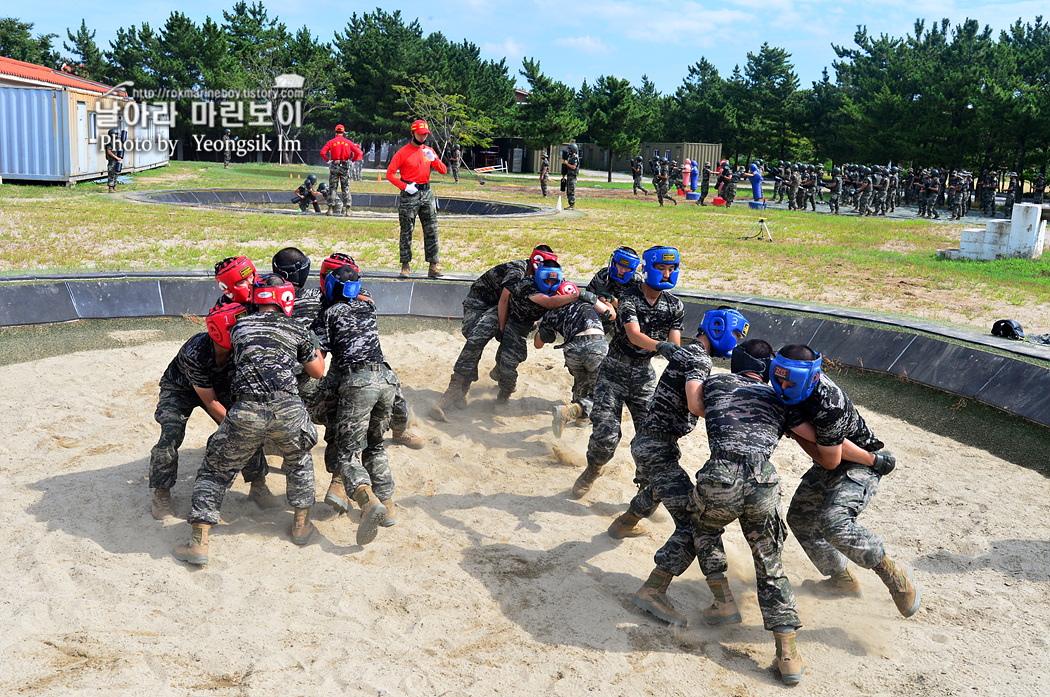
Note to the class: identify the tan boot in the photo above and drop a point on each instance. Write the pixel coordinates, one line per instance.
(390, 519)
(261, 495)
(652, 597)
(196, 550)
(724, 609)
(409, 440)
(457, 389)
(841, 584)
(406, 271)
(336, 496)
(585, 481)
(372, 514)
(435, 270)
(302, 528)
(789, 660)
(112, 190)
(897, 578)
(161, 504)
(563, 415)
(502, 402)
(626, 525)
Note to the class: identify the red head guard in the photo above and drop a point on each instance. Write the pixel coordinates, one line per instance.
(539, 256)
(567, 288)
(334, 261)
(274, 290)
(231, 271)
(221, 320)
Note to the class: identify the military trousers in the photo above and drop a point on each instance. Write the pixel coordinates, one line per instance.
(637, 186)
(480, 323)
(748, 490)
(409, 206)
(570, 189)
(512, 352)
(455, 171)
(366, 399)
(283, 421)
(619, 384)
(664, 481)
(583, 358)
(173, 411)
(339, 177)
(823, 515)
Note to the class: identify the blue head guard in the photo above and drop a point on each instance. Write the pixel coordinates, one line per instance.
(342, 284)
(654, 278)
(718, 326)
(548, 277)
(624, 256)
(804, 374)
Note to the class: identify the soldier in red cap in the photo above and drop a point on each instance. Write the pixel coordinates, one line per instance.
(414, 161)
(340, 152)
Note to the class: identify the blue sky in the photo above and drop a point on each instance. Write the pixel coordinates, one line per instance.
(577, 40)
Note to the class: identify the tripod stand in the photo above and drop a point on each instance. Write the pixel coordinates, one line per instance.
(757, 229)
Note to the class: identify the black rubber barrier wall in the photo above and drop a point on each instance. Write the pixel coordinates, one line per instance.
(947, 359)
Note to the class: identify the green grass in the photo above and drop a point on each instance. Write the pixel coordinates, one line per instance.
(877, 264)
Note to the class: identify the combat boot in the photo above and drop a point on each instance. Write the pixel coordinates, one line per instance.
(262, 496)
(626, 525)
(586, 480)
(406, 271)
(408, 439)
(456, 390)
(336, 496)
(161, 504)
(502, 402)
(897, 578)
(563, 415)
(302, 528)
(841, 584)
(372, 514)
(112, 190)
(196, 550)
(724, 609)
(789, 660)
(435, 270)
(652, 597)
(390, 519)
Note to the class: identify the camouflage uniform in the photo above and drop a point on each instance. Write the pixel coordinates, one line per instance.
(409, 206)
(654, 448)
(636, 177)
(824, 510)
(835, 193)
(988, 194)
(609, 292)
(522, 314)
(570, 178)
(729, 188)
(865, 196)
(891, 192)
(705, 184)
(481, 316)
(584, 353)
(339, 175)
(793, 187)
(879, 184)
(307, 196)
(112, 168)
(454, 161)
(958, 185)
(1038, 188)
(933, 190)
(266, 347)
(227, 145)
(194, 366)
(1012, 192)
(366, 391)
(745, 420)
(545, 175)
(626, 376)
(661, 183)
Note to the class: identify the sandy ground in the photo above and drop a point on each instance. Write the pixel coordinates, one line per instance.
(494, 580)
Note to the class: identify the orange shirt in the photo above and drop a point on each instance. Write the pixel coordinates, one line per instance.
(341, 148)
(414, 166)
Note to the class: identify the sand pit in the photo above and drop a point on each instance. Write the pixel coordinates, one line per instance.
(493, 582)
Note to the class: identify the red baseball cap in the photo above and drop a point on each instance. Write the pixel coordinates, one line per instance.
(340, 128)
(420, 126)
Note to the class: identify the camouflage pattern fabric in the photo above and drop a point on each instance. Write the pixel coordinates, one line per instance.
(485, 292)
(267, 347)
(284, 422)
(572, 319)
(988, 196)
(669, 410)
(823, 515)
(339, 176)
(409, 206)
(609, 291)
(513, 351)
(479, 327)
(657, 464)
(309, 303)
(349, 330)
(583, 358)
(1008, 205)
(455, 169)
(227, 146)
(111, 172)
(399, 413)
(521, 309)
(655, 321)
(194, 366)
(865, 197)
(570, 178)
(835, 193)
(618, 384)
(793, 187)
(366, 399)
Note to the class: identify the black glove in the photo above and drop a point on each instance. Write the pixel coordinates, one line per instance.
(884, 463)
(499, 335)
(666, 349)
(588, 297)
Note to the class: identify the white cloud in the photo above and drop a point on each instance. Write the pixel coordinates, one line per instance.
(508, 48)
(587, 44)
